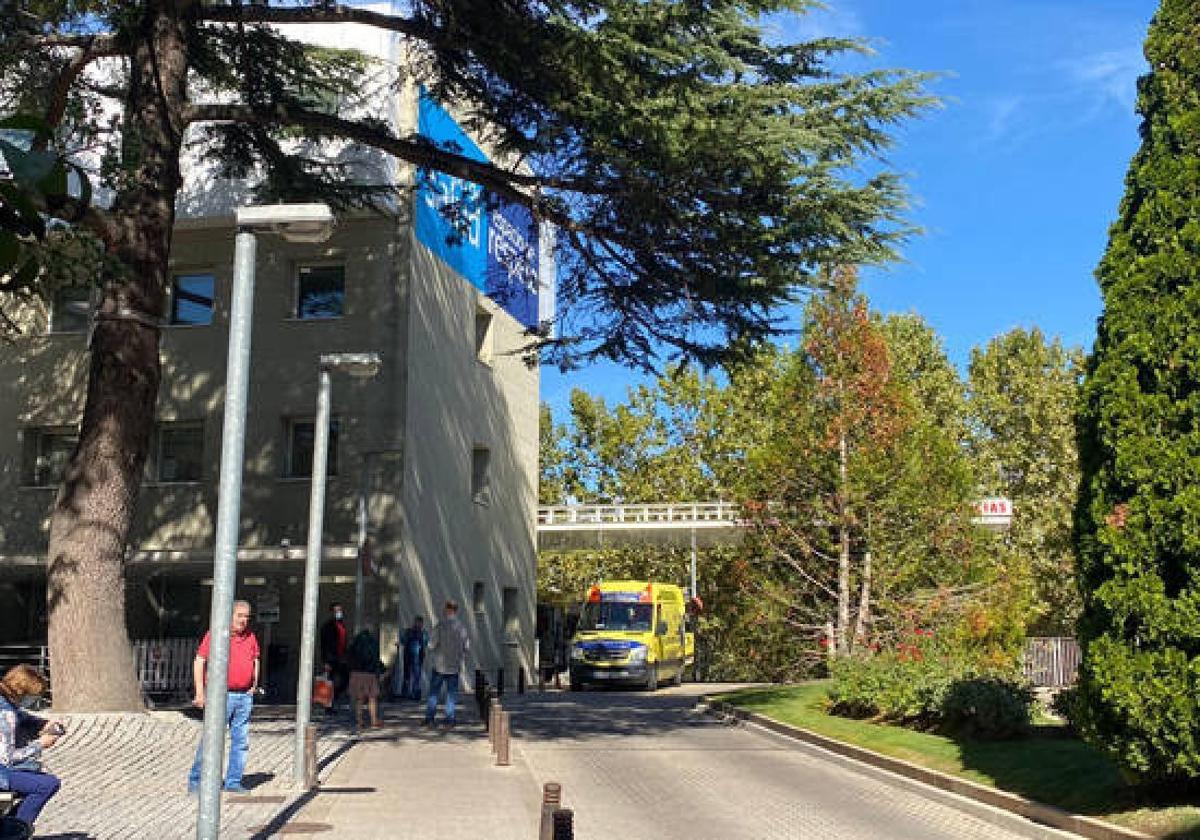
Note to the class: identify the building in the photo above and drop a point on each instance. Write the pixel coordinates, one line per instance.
(442, 444)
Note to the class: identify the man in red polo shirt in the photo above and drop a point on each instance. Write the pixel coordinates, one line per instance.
(242, 683)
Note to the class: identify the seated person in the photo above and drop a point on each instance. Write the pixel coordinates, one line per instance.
(20, 765)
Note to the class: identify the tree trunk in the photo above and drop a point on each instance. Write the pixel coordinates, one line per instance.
(843, 592)
(91, 662)
(864, 602)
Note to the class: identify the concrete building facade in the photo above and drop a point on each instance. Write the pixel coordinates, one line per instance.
(442, 445)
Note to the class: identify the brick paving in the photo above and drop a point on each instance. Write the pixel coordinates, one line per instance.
(125, 776)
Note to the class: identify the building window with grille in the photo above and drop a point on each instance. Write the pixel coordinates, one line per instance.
(481, 458)
(301, 437)
(70, 309)
(320, 292)
(180, 453)
(192, 299)
(47, 453)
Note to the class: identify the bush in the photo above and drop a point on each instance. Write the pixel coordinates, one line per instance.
(990, 708)
(932, 692)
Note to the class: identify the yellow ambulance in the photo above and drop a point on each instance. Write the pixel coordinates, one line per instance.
(631, 632)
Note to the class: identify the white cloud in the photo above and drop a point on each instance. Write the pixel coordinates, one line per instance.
(1109, 78)
(836, 19)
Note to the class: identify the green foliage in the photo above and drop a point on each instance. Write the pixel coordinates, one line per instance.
(925, 686)
(1138, 518)
(1023, 390)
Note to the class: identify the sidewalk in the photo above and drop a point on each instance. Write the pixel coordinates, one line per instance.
(404, 782)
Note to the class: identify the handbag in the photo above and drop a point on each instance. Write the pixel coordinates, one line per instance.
(322, 693)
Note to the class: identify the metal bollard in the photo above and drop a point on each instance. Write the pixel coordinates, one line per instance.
(551, 800)
(310, 757)
(521, 680)
(564, 824)
(503, 734)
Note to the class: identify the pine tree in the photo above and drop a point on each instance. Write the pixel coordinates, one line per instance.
(697, 174)
(1138, 517)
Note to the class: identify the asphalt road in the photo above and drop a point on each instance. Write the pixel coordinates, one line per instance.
(635, 765)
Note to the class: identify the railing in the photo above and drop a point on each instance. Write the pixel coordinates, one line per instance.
(164, 666)
(1051, 661)
(668, 515)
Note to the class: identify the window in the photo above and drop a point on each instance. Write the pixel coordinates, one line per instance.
(192, 297)
(180, 455)
(512, 619)
(480, 456)
(483, 335)
(320, 291)
(301, 435)
(70, 310)
(47, 453)
(477, 603)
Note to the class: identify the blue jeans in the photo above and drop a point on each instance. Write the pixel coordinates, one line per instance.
(410, 688)
(436, 681)
(237, 717)
(36, 790)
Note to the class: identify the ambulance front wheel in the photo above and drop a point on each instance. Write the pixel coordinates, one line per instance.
(652, 678)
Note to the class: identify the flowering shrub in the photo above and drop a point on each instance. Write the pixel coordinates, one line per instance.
(917, 684)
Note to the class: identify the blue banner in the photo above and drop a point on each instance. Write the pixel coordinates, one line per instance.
(493, 244)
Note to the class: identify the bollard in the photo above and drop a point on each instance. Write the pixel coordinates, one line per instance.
(494, 724)
(480, 686)
(564, 824)
(503, 734)
(521, 680)
(551, 800)
(310, 757)
(499, 682)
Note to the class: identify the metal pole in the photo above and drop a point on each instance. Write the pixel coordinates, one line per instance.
(363, 496)
(312, 576)
(229, 499)
(693, 592)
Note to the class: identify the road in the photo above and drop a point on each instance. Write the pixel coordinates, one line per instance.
(636, 765)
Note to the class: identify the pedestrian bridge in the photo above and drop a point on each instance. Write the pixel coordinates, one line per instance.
(599, 526)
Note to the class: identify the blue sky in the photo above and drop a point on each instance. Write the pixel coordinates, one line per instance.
(1015, 180)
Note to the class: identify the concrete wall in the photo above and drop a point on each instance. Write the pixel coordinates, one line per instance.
(458, 403)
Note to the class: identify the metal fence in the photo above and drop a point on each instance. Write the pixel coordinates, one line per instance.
(164, 666)
(1051, 661)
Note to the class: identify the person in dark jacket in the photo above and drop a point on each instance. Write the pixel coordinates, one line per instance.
(365, 668)
(412, 653)
(334, 643)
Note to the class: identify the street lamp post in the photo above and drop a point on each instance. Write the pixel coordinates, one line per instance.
(363, 365)
(294, 222)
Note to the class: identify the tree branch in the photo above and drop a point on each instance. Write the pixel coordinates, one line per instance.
(96, 46)
(253, 13)
(419, 152)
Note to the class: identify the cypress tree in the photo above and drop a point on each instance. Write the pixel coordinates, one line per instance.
(1138, 516)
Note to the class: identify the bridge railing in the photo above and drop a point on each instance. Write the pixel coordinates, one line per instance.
(679, 513)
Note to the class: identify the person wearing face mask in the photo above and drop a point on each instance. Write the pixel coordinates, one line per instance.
(334, 641)
(20, 765)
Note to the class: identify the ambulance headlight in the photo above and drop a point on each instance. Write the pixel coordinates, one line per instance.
(577, 651)
(638, 654)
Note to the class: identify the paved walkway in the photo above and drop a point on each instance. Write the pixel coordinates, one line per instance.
(632, 766)
(125, 776)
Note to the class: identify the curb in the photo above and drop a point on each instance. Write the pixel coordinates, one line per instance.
(1037, 815)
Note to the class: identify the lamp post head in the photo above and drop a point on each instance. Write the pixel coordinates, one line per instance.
(359, 365)
(292, 222)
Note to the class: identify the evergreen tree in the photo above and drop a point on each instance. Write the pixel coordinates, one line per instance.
(1138, 517)
(697, 174)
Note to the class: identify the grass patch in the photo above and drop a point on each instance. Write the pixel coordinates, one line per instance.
(1048, 766)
